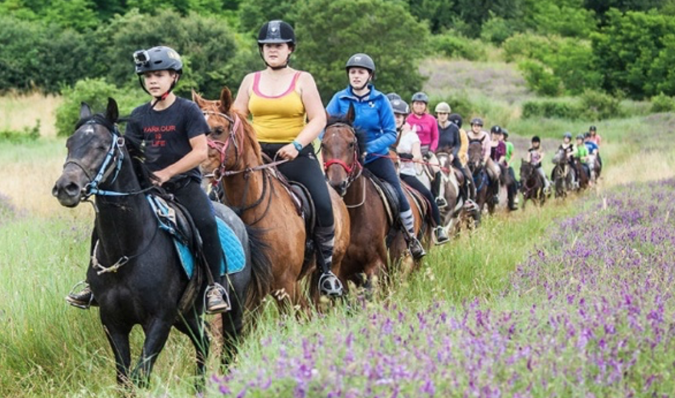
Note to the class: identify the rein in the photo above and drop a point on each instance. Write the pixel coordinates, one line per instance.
(355, 169)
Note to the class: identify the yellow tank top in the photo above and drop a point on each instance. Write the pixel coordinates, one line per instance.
(277, 119)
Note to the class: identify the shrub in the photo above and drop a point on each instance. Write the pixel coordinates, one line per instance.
(453, 45)
(528, 45)
(19, 137)
(540, 79)
(662, 103)
(596, 105)
(496, 29)
(563, 109)
(95, 93)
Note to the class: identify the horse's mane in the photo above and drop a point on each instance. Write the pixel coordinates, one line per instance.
(361, 138)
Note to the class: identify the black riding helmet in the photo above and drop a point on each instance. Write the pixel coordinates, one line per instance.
(505, 133)
(455, 118)
(496, 130)
(155, 59)
(393, 96)
(536, 139)
(420, 97)
(477, 121)
(276, 32)
(592, 128)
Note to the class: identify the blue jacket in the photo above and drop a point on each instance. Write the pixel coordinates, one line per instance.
(374, 115)
(592, 146)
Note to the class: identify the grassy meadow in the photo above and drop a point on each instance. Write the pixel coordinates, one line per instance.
(461, 301)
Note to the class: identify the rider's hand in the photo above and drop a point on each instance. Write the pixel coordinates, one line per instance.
(160, 177)
(288, 152)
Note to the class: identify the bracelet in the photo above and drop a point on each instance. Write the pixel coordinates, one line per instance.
(298, 146)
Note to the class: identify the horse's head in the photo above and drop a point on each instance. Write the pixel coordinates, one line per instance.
(225, 138)
(560, 157)
(341, 149)
(526, 170)
(95, 151)
(475, 154)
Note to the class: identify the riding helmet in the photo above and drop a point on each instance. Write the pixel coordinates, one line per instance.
(361, 60)
(580, 137)
(505, 133)
(477, 121)
(276, 31)
(536, 139)
(587, 134)
(399, 106)
(567, 135)
(393, 96)
(157, 58)
(496, 130)
(442, 107)
(420, 97)
(456, 118)
(592, 128)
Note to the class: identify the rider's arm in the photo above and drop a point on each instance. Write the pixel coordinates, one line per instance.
(487, 143)
(316, 115)
(243, 95)
(457, 141)
(388, 126)
(434, 136)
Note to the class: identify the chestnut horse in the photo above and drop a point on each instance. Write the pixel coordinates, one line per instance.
(374, 240)
(263, 199)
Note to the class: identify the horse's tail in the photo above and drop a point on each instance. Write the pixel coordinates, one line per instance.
(261, 268)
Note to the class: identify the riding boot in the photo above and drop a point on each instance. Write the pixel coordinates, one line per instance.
(217, 296)
(414, 245)
(436, 190)
(329, 284)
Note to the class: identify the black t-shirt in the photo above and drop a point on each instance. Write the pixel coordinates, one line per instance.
(167, 133)
(449, 137)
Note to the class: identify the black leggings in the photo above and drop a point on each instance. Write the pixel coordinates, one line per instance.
(384, 169)
(417, 185)
(189, 194)
(305, 169)
(458, 165)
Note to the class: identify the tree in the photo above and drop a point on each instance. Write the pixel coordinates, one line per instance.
(330, 31)
(254, 13)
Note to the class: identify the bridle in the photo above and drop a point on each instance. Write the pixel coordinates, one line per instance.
(355, 169)
(111, 164)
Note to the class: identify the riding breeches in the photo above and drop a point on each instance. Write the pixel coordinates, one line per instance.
(191, 195)
(383, 168)
(493, 170)
(419, 187)
(305, 170)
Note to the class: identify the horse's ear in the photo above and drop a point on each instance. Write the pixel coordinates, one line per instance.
(112, 112)
(351, 114)
(201, 102)
(85, 110)
(225, 100)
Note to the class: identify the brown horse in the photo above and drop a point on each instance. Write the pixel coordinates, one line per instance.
(374, 238)
(262, 198)
(453, 182)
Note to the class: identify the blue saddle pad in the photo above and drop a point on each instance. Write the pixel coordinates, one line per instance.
(232, 250)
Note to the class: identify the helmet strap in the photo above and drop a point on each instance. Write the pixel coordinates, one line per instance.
(284, 66)
(161, 97)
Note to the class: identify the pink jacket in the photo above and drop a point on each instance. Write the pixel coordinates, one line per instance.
(427, 129)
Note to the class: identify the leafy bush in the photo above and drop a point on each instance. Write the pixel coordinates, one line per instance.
(540, 79)
(496, 29)
(527, 45)
(453, 45)
(596, 105)
(19, 137)
(563, 109)
(662, 103)
(95, 93)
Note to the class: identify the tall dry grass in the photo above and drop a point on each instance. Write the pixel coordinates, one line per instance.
(19, 111)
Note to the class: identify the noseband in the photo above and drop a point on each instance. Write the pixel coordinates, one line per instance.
(354, 169)
(221, 147)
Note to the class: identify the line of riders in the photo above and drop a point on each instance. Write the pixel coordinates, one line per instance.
(288, 116)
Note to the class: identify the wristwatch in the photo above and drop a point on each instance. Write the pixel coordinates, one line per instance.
(297, 145)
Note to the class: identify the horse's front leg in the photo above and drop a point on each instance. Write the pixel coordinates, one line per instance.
(156, 335)
(118, 337)
(194, 328)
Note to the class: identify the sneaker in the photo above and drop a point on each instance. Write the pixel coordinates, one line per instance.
(495, 199)
(330, 285)
(441, 202)
(441, 236)
(516, 201)
(217, 299)
(82, 299)
(416, 249)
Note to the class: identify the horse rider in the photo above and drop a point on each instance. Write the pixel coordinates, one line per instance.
(409, 152)
(512, 188)
(287, 115)
(535, 156)
(450, 136)
(426, 127)
(568, 149)
(374, 115)
(581, 154)
(478, 134)
(173, 157)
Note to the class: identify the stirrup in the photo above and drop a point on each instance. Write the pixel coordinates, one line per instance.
(70, 300)
(438, 241)
(441, 202)
(330, 285)
(227, 306)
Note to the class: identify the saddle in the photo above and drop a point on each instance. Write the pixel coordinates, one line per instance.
(388, 195)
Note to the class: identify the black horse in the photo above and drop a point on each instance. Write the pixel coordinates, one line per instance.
(562, 174)
(148, 284)
(532, 184)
